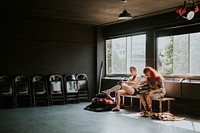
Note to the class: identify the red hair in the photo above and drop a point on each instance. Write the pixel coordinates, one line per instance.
(154, 73)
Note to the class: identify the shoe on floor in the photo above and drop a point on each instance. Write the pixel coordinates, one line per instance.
(145, 113)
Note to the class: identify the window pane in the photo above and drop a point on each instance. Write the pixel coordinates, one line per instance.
(121, 53)
(178, 55)
(138, 52)
(165, 55)
(129, 53)
(195, 54)
(116, 56)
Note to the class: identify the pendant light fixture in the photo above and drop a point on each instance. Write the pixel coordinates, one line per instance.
(124, 15)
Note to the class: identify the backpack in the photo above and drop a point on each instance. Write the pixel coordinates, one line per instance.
(101, 102)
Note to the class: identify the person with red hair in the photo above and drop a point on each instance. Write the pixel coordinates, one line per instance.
(155, 82)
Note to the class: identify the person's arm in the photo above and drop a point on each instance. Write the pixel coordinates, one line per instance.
(159, 87)
(129, 81)
(155, 91)
(162, 88)
(121, 81)
(136, 83)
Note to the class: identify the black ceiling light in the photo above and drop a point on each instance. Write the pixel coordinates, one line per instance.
(187, 10)
(124, 15)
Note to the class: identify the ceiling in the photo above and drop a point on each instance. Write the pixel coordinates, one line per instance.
(95, 12)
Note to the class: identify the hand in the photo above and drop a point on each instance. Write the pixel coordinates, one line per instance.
(120, 82)
(150, 92)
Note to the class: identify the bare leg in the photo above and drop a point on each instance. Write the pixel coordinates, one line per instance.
(113, 89)
(118, 100)
(128, 89)
(142, 99)
(149, 102)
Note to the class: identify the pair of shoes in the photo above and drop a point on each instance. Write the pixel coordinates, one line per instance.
(145, 113)
(115, 109)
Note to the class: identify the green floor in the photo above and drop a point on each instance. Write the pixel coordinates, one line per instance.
(72, 118)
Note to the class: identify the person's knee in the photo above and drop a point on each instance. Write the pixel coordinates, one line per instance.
(123, 85)
(118, 93)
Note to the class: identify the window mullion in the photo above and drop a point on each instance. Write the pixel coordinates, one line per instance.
(189, 53)
(126, 55)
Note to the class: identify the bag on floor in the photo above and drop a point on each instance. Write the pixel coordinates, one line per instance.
(101, 102)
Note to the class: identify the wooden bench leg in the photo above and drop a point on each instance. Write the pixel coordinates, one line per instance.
(140, 103)
(160, 106)
(123, 97)
(131, 101)
(168, 105)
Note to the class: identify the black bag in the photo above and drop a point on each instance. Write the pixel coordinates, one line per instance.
(101, 102)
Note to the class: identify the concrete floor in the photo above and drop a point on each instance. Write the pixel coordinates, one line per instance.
(72, 118)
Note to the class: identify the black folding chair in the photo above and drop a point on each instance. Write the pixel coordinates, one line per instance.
(83, 85)
(56, 89)
(40, 90)
(71, 88)
(7, 97)
(22, 91)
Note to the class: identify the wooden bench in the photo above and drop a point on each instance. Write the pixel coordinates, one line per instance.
(160, 100)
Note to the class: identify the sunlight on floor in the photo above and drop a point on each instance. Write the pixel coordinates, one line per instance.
(132, 115)
(185, 124)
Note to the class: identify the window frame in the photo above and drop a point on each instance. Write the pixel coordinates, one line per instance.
(121, 36)
(171, 31)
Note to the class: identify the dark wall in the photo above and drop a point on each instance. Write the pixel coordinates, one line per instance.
(36, 46)
(154, 23)
(100, 58)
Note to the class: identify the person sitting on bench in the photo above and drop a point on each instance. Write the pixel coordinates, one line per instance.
(125, 87)
(156, 85)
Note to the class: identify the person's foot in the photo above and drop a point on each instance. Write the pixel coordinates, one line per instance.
(106, 92)
(150, 111)
(116, 109)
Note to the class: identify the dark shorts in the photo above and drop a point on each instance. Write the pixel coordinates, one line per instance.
(136, 91)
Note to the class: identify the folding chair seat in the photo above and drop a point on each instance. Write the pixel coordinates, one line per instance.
(56, 89)
(7, 97)
(71, 88)
(40, 90)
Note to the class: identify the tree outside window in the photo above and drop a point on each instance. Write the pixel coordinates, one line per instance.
(178, 54)
(121, 53)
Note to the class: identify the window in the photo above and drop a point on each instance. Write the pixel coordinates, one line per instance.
(121, 53)
(179, 54)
